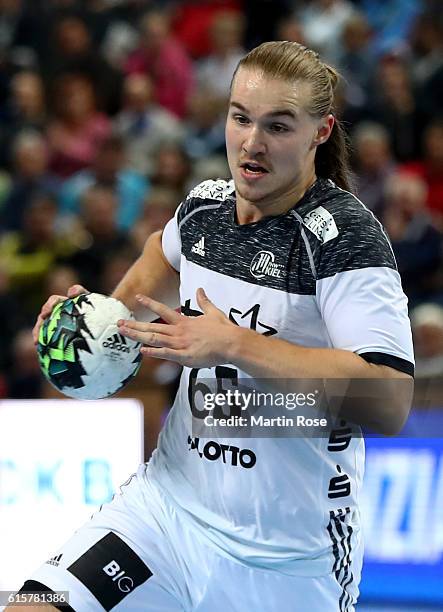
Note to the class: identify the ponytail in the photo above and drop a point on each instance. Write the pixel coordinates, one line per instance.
(332, 158)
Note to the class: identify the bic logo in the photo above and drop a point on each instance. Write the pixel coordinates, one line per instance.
(124, 583)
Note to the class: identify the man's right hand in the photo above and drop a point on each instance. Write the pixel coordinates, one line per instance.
(49, 305)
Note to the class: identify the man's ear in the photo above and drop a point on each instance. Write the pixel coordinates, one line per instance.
(324, 130)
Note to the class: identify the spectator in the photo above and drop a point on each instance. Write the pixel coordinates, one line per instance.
(356, 59)
(26, 380)
(323, 22)
(430, 167)
(159, 207)
(75, 53)
(391, 22)
(114, 269)
(13, 27)
(215, 71)
(213, 167)
(119, 41)
(104, 238)
(108, 170)
(79, 127)
(373, 164)
(60, 278)
(173, 169)
(394, 105)
(10, 311)
(427, 331)
(263, 19)
(23, 30)
(165, 60)
(416, 242)
(290, 28)
(427, 62)
(30, 177)
(26, 109)
(192, 21)
(144, 125)
(28, 255)
(205, 126)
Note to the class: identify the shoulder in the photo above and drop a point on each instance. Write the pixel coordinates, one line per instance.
(344, 233)
(208, 195)
(334, 212)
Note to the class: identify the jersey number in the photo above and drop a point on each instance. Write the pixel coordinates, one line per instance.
(196, 388)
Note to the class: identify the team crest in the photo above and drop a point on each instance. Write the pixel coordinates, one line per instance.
(264, 264)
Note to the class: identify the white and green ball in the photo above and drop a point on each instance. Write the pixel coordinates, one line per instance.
(81, 351)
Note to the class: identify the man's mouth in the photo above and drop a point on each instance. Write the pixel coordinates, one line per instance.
(253, 168)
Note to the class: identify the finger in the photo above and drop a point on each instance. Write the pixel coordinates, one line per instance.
(36, 328)
(150, 338)
(45, 312)
(50, 303)
(158, 328)
(75, 290)
(203, 301)
(164, 312)
(162, 353)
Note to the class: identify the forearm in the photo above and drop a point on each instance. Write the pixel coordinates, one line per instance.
(381, 403)
(367, 394)
(264, 357)
(150, 275)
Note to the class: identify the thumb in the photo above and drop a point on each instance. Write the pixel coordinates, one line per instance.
(75, 290)
(204, 302)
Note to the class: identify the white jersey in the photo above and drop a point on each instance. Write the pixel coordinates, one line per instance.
(321, 275)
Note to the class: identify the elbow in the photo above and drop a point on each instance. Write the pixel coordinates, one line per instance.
(393, 417)
(393, 401)
(392, 427)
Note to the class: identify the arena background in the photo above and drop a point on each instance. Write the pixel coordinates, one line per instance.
(110, 110)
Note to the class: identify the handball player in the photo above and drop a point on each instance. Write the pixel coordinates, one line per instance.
(280, 273)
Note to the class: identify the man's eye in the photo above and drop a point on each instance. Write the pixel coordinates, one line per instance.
(241, 119)
(278, 127)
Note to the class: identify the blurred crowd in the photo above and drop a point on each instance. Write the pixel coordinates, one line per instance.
(110, 110)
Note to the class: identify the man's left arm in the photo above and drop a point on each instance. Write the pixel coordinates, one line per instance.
(212, 339)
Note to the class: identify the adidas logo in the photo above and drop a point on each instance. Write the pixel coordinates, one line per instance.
(55, 560)
(199, 247)
(116, 342)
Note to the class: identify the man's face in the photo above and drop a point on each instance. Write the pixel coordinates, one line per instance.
(270, 137)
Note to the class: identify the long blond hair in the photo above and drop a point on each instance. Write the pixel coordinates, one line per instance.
(291, 61)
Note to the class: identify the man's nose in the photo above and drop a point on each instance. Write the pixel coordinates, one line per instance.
(254, 142)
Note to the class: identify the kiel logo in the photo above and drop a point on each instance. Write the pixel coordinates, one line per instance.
(117, 343)
(199, 247)
(264, 264)
(55, 560)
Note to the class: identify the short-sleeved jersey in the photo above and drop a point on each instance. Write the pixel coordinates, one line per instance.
(321, 275)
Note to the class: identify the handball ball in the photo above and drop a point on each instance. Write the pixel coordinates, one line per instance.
(81, 351)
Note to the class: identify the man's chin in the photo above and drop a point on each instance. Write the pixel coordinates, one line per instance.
(252, 194)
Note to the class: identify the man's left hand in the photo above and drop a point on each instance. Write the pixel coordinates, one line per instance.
(197, 342)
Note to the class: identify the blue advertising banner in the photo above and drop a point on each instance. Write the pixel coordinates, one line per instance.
(403, 514)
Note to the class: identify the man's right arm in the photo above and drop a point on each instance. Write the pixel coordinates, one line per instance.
(150, 275)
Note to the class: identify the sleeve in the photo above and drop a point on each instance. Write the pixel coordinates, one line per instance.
(171, 241)
(360, 297)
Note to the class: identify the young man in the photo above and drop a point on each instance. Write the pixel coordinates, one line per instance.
(282, 274)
